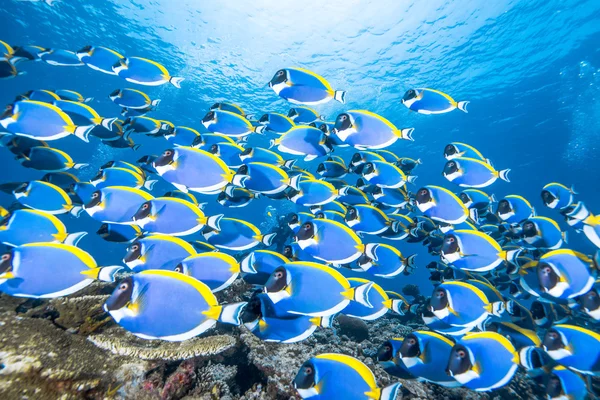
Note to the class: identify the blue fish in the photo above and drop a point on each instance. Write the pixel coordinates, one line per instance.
(557, 196)
(483, 361)
(235, 197)
(310, 192)
(119, 233)
(216, 270)
(351, 195)
(518, 336)
(475, 198)
(182, 136)
(388, 360)
(133, 99)
(565, 384)
(234, 108)
(49, 270)
(338, 376)
(144, 72)
(457, 149)
(46, 197)
(63, 180)
(473, 173)
(431, 101)
(277, 123)
(116, 176)
(329, 241)
(48, 159)
(385, 261)
(397, 198)
(31, 226)
(258, 154)
(148, 126)
(542, 233)
(235, 234)
(172, 216)
(514, 209)
(157, 304)
(229, 124)
(157, 252)
(377, 298)
(385, 175)
(303, 141)
(72, 95)
(364, 218)
(116, 204)
(441, 205)
(99, 58)
(366, 130)
(61, 58)
(574, 347)
(566, 274)
(263, 263)
(262, 178)
(301, 86)
(303, 115)
(311, 289)
(332, 169)
(423, 353)
(44, 96)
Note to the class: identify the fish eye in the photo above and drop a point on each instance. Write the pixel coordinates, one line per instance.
(135, 247)
(461, 353)
(412, 341)
(387, 348)
(278, 274)
(307, 226)
(440, 294)
(145, 206)
(451, 164)
(179, 268)
(308, 370)
(423, 192)
(593, 294)
(450, 240)
(280, 72)
(95, 195)
(553, 335)
(123, 286)
(343, 118)
(5, 257)
(168, 153)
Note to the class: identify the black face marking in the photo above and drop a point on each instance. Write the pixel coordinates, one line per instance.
(450, 150)
(423, 196)
(554, 387)
(410, 346)
(95, 199)
(209, 116)
(459, 361)
(450, 245)
(553, 340)
(410, 94)
(165, 158)
(537, 310)
(356, 159)
(351, 214)
(288, 252)
(103, 230)
(529, 229)
(369, 168)
(144, 211)
(547, 276)
(134, 252)
(121, 295)
(279, 77)
(342, 122)
(439, 299)
(385, 352)
(547, 197)
(504, 207)
(198, 141)
(216, 106)
(307, 231)
(253, 310)
(115, 93)
(6, 262)
(590, 301)
(321, 168)
(305, 379)
(450, 167)
(464, 198)
(277, 281)
(243, 170)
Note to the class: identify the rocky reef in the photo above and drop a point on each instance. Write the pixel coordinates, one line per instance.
(70, 349)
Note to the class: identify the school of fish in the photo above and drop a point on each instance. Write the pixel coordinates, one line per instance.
(494, 254)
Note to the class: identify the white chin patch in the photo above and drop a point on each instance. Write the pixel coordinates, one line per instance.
(18, 195)
(425, 206)
(278, 87)
(553, 204)
(466, 377)
(410, 102)
(532, 239)
(559, 289)
(441, 314)
(93, 210)
(453, 176)
(446, 228)
(506, 216)
(162, 169)
(594, 313)
(370, 176)
(353, 222)
(276, 297)
(307, 393)
(119, 69)
(142, 222)
(451, 257)
(343, 135)
(303, 244)
(121, 313)
(559, 354)
(378, 195)
(135, 263)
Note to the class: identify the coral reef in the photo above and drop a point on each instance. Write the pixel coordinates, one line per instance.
(126, 344)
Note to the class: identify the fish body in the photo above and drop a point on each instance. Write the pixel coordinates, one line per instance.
(557, 196)
(310, 192)
(383, 260)
(46, 197)
(116, 176)
(72, 95)
(60, 58)
(263, 263)
(229, 124)
(471, 250)
(262, 178)
(48, 159)
(513, 209)
(385, 175)
(132, 99)
(458, 149)
(303, 115)
(542, 233)
(99, 58)
(431, 101)
(303, 141)
(277, 123)
(119, 233)
(440, 204)
(32, 226)
(235, 234)
(472, 173)
(329, 241)
(157, 252)
(574, 347)
(366, 130)
(182, 136)
(301, 86)
(116, 204)
(216, 270)
(144, 72)
(377, 298)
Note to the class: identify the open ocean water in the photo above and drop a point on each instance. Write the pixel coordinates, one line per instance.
(530, 69)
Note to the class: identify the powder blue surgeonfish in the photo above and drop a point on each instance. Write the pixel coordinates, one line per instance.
(48, 159)
(311, 192)
(565, 384)
(465, 303)
(474, 251)
(144, 72)
(379, 300)
(216, 270)
(228, 152)
(364, 218)
(458, 149)
(117, 176)
(168, 305)
(385, 175)
(235, 197)
(99, 58)
(263, 263)
(236, 234)
(72, 95)
(483, 361)
(338, 376)
(133, 99)
(329, 241)
(574, 347)
(49, 270)
(172, 216)
(45, 96)
(192, 169)
(388, 360)
(116, 204)
(542, 233)
(60, 58)
(473, 173)
(424, 353)
(431, 101)
(301, 86)
(46, 197)
(262, 178)
(513, 209)
(83, 114)
(157, 252)
(366, 130)
(42, 121)
(303, 141)
(276, 123)
(383, 260)
(557, 196)
(304, 115)
(182, 136)
(32, 226)
(566, 274)
(312, 289)
(229, 124)
(258, 154)
(260, 318)
(441, 205)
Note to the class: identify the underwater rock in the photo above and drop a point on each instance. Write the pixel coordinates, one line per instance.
(83, 314)
(214, 381)
(356, 329)
(42, 361)
(125, 344)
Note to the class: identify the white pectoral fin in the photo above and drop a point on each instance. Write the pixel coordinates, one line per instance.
(74, 238)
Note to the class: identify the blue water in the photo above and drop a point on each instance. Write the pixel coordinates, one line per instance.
(529, 68)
